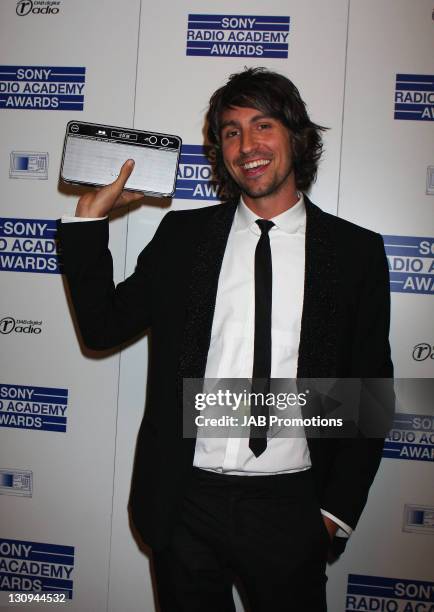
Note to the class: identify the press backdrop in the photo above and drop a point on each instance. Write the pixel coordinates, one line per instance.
(69, 417)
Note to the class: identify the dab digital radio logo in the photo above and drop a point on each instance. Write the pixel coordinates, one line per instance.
(381, 594)
(411, 438)
(29, 245)
(9, 325)
(25, 407)
(414, 97)
(16, 482)
(37, 7)
(42, 87)
(195, 177)
(36, 567)
(237, 36)
(411, 263)
(418, 519)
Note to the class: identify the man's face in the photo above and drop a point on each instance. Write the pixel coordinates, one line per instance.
(257, 152)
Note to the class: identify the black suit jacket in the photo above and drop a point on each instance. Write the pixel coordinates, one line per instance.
(344, 333)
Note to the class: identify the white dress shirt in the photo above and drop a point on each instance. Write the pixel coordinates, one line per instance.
(232, 338)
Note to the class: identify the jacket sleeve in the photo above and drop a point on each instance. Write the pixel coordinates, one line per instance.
(106, 315)
(356, 458)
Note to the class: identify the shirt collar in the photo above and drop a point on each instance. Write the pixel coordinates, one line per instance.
(291, 221)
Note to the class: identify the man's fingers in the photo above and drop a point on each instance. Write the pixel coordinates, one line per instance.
(125, 171)
(100, 202)
(118, 185)
(130, 196)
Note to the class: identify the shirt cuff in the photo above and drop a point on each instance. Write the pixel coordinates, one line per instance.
(68, 219)
(344, 530)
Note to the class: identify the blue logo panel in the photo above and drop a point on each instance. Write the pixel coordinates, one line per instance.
(414, 97)
(411, 263)
(388, 594)
(195, 178)
(411, 438)
(25, 407)
(36, 567)
(237, 36)
(29, 245)
(42, 87)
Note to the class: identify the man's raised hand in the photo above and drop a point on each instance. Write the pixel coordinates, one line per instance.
(100, 202)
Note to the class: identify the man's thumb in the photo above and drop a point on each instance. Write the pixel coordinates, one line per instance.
(124, 174)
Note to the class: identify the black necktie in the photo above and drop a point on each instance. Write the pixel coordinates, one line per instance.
(262, 348)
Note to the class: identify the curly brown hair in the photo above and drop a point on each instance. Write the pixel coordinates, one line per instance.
(277, 97)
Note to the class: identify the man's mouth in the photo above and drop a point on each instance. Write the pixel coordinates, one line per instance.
(256, 163)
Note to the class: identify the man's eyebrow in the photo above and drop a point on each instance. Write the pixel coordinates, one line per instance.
(260, 117)
(231, 123)
(254, 119)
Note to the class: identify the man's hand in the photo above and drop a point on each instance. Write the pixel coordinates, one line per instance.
(331, 526)
(100, 202)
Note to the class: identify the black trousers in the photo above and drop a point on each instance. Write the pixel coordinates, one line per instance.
(266, 532)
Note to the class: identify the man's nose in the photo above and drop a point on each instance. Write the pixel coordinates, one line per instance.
(247, 142)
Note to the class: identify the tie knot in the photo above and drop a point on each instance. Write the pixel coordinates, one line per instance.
(264, 225)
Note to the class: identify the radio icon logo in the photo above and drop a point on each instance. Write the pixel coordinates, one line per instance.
(16, 482)
(28, 165)
(422, 351)
(7, 325)
(418, 519)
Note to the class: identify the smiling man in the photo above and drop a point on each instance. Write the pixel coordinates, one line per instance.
(257, 152)
(264, 286)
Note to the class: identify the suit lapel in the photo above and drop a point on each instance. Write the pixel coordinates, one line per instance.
(203, 291)
(317, 350)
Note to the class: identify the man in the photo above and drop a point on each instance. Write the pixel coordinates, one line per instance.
(266, 278)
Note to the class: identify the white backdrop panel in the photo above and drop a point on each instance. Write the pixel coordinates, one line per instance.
(384, 161)
(380, 184)
(172, 96)
(72, 471)
(383, 187)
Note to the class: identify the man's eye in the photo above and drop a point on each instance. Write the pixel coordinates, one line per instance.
(231, 133)
(264, 126)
